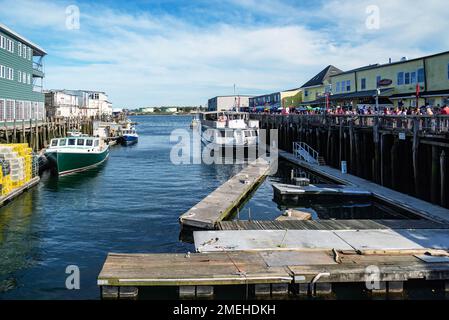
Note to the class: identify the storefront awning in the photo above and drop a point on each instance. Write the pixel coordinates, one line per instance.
(362, 94)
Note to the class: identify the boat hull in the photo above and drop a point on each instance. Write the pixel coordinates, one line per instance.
(71, 162)
(129, 140)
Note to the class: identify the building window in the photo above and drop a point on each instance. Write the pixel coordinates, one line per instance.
(400, 78)
(348, 85)
(19, 76)
(338, 87)
(29, 78)
(30, 53)
(306, 93)
(2, 42)
(421, 75)
(24, 78)
(363, 84)
(378, 78)
(407, 78)
(413, 77)
(19, 49)
(2, 72)
(24, 49)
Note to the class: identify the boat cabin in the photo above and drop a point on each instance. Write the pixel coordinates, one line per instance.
(75, 142)
(129, 131)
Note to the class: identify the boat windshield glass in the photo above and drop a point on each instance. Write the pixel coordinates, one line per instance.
(54, 143)
(96, 143)
(62, 142)
(89, 142)
(72, 142)
(80, 142)
(229, 134)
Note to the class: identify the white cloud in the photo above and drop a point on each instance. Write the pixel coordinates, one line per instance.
(143, 59)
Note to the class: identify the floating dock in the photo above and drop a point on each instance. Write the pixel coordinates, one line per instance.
(18, 191)
(294, 192)
(270, 273)
(225, 199)
(401, 200)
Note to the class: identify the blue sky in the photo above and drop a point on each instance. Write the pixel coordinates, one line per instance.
(154, 52)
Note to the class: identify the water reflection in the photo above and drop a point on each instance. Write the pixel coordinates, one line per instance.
(16, 239)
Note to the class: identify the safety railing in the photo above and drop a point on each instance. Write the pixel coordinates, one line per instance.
(306, 153)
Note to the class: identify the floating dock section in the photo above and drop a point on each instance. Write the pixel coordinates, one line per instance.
(406, 202)
(225, 199)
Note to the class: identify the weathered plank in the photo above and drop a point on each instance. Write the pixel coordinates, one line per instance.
(192, 270)
(225, 199)
(330, 225)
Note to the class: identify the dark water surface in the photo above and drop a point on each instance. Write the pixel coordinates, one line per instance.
(130, 204)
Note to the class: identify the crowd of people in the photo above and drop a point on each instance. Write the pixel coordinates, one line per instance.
(369, 110)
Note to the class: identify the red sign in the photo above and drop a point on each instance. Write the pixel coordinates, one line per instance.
(384, 83)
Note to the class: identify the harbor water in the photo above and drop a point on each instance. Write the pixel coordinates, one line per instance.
(130, 204)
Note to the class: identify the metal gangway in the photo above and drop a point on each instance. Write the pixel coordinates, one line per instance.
(304, 152)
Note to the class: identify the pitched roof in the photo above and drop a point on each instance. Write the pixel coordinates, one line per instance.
(322, 76)
(17, 36)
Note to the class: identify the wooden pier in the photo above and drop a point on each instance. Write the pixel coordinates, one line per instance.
(408, 154)
(271, 273)
(18, 191)
(225, 199)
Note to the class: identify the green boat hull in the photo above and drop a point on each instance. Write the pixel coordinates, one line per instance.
(67, 163)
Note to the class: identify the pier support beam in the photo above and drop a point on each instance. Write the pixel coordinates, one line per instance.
(443, 183)
(435, 176)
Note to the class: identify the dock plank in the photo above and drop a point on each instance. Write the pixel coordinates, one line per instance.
(225, 199)
(366, 240)
(331, 225)
(196, 269)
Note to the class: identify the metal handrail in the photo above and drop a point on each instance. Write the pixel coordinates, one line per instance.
(309, 150)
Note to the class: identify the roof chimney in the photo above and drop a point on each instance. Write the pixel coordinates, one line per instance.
(389, 60)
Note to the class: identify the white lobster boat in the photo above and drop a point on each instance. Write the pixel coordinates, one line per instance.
(228, 129)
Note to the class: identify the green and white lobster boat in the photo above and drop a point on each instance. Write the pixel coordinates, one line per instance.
(75, 154)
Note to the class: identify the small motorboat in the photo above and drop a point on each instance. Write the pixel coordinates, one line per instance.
(129, 136)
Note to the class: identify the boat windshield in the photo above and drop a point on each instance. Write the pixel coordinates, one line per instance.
(72, 142)
(78, 142)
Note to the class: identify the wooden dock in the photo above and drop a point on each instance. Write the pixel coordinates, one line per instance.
(269, 273)
(406, 202)
(225, 199)
(18, 191)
